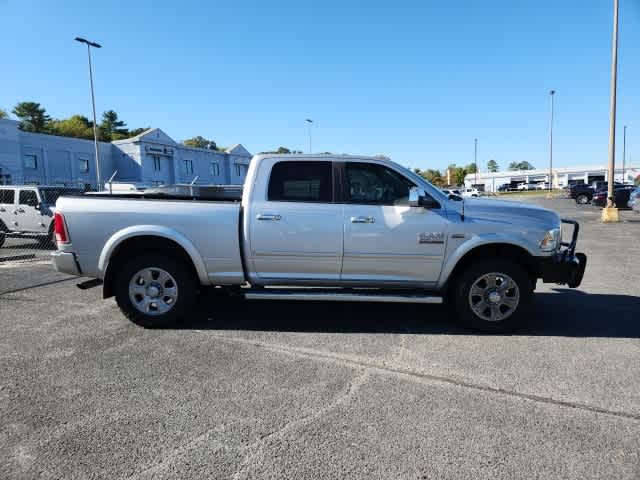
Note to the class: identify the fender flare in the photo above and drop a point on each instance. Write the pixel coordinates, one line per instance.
(153, 231)
(480, 241)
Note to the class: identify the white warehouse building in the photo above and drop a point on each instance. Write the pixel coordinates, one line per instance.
(490, 182)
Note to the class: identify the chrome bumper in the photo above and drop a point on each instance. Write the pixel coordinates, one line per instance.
(65, 262)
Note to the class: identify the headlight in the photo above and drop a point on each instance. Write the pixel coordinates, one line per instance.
(550, 241)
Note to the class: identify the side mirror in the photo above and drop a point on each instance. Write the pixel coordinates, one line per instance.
(418, 198)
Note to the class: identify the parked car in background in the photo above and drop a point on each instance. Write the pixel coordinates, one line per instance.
(469, 192)
(581, 193)
(542, 186)
(450, 191)
(28, 210)
(634, 199)
(527, 186)
(504, 187)
(621, 195)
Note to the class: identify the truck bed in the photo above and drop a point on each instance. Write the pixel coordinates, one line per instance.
(213, 193)
(205, 228)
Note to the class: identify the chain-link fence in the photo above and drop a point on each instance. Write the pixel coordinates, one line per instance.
(26, 219)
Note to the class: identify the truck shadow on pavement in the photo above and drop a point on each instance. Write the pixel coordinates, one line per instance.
(569, 313)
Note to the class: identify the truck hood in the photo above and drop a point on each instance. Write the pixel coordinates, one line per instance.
(503, 211)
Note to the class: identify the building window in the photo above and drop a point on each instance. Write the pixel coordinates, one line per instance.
(215, 169)
(241, 170)
(188, 167)
(84, 165)
(156, 162)
(30, 161)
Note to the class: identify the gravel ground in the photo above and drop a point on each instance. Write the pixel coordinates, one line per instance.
(324, 390)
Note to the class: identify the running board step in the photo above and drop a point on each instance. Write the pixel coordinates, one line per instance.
(340, 296)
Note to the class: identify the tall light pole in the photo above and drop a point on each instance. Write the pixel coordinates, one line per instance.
(475, 158)
(552, 94)
(93, 104)
(309, 122)
(612, 119)
(624, 152)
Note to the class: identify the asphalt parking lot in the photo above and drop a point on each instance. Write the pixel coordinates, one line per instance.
(299, 390)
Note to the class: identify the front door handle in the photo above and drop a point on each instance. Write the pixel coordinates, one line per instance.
(268, 216)
(2, 209)
(363, 220)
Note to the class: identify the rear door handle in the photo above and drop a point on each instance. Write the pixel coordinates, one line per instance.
(363, 220)
(20, 210)
(2, 209)
(268, 216)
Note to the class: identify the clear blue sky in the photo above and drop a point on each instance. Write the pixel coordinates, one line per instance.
(417, 80)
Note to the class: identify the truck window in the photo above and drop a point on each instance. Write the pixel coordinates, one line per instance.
(373, 184)
(301, 182)
(28, 197)
(7, 196)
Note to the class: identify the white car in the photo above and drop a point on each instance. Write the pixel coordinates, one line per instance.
(542, 186)
(527, 186)
(469, 192)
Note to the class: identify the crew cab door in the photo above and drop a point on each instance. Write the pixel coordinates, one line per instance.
(295, 228)
(385, 240)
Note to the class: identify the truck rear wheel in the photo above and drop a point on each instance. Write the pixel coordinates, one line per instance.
(492, 295)
(154, 290)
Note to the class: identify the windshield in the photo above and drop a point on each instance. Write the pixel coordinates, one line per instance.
(50, 195)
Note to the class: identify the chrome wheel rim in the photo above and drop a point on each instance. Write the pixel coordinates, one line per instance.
(582, 199)
(153, 291)
(494, 297)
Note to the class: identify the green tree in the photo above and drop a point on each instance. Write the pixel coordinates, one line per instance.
(524, 165)
(137, 131)
(458, 175)
(433, 176)
(283, 150)
(76, 126)
(33, 118)
(111, 127)
(471, 168)
(492, 166)
(3, 113)
(201, 142)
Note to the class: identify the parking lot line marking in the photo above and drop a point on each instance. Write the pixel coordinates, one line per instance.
(357, 363)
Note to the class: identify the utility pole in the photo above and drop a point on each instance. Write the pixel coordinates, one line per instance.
(309, 122)
(475, 158)
(610, 213)
(624, 152)
(552, 96)
(93, 104)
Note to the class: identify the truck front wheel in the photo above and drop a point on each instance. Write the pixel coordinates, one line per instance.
(492, 295)
(154, 290)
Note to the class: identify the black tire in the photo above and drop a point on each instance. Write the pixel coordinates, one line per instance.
(3, 237)
(582, 199)
(462, 301)
(182, 275)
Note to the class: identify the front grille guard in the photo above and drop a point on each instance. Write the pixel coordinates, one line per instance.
(570, 246)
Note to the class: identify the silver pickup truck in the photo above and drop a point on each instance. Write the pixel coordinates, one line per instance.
(323, 227)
